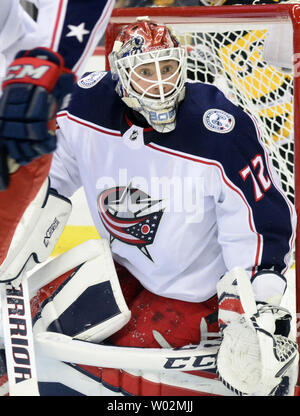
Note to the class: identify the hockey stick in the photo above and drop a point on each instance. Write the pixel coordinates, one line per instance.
(188, 358)
(18, 337)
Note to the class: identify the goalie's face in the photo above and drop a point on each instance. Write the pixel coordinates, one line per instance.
(156, 80)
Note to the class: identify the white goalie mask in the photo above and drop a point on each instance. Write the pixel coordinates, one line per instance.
(150, 67)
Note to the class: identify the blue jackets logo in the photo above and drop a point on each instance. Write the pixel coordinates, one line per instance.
(124, 213)
(218, 121)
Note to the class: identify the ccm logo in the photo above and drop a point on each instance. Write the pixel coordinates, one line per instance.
(26, 70)
(198, 361)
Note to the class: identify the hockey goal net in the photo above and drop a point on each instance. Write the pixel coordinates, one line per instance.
(225, 47)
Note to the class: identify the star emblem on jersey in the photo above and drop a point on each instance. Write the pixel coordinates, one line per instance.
(130, 216)
(218, 120)
(77, 31)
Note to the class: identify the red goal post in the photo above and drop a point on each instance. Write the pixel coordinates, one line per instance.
(224, 46)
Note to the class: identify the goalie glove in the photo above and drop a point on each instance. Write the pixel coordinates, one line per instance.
(33, 91)
(253, 355)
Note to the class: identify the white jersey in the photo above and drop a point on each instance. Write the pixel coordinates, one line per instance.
(180, 208)
(69, 27)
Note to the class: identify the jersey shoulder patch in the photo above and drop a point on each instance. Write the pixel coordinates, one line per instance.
(91, 79)
(218, 120)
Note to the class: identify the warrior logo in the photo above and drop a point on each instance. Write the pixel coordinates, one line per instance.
(130, 216)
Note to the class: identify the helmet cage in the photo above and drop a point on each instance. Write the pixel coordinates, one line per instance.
(126, 67)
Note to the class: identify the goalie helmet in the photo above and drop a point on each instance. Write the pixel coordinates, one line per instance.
(149, 65)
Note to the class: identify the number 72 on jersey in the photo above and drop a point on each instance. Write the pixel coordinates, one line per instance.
(261, 181)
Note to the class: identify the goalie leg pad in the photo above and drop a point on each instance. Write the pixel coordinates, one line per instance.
(85, 302)
(36, 233)
(24, 187)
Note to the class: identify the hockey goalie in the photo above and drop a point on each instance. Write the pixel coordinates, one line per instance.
(177, 298)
